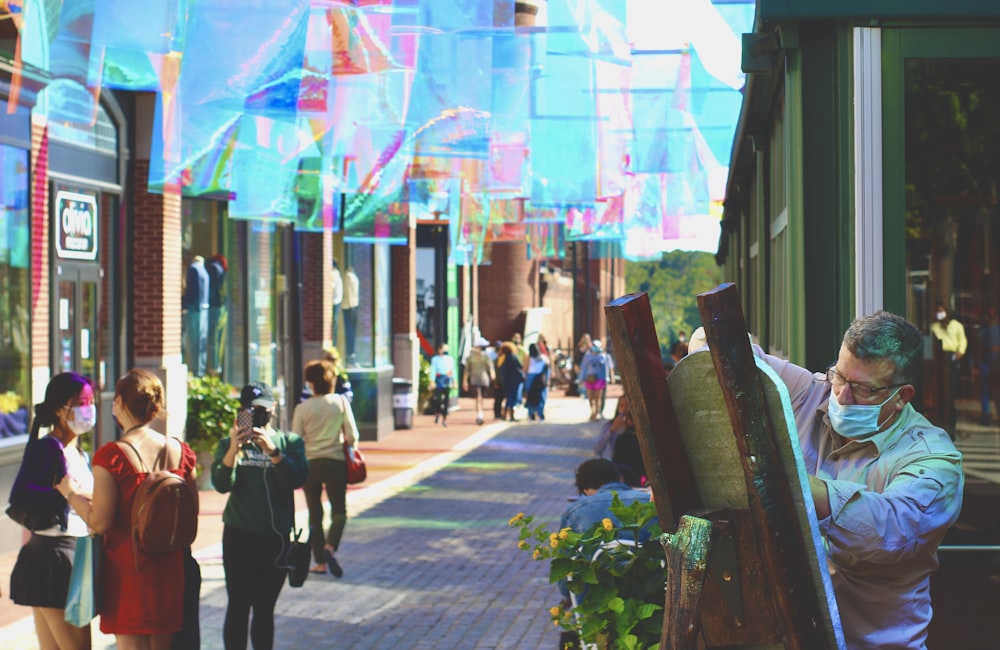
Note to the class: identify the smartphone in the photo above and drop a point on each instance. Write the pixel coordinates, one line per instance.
(244, 422)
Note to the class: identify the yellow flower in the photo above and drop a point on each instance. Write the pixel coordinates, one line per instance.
(554, 543)
(516, 519)
(607, 523)
(523, 545)
(536, 555)
(555, 612)
(564, 533)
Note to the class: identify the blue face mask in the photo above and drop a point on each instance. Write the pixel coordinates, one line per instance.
(856, 421)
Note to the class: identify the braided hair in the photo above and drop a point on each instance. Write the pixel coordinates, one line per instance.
(63, 389)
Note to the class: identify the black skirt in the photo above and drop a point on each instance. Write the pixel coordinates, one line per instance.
(41, 574)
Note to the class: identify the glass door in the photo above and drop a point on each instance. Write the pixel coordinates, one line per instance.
(76, 309)
(941, 139)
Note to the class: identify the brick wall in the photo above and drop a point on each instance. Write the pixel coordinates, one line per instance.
(157, 269)
(317, 306)
(403, 264)
(40, 280)
(507, 286)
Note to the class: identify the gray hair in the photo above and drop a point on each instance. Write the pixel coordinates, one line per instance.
(886, 336)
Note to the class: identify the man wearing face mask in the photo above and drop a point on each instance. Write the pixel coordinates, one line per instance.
(951, 333)
(886, 483)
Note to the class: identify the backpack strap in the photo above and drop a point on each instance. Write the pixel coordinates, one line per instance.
(162, 460)
(136, 452)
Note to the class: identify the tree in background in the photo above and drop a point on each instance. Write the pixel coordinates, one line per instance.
(673, 283)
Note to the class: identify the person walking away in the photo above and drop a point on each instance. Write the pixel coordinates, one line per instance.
(511, 377)
(886, 483)
(478, 374)
(595, 377)
(951, 333)
(537, 381)
(443, 372)
(55, 514)
(325, 422)
(260, 468)
(143, 595)
(499, 394)
(583, 347)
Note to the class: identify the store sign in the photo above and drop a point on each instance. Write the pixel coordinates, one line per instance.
(76, 226)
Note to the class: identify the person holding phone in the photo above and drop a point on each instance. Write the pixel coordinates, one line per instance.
(260, 468)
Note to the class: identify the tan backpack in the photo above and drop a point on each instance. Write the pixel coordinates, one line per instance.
(164, 509)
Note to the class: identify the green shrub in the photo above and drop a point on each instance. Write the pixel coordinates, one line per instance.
(621, 591)
(212, 406)
(424, 389)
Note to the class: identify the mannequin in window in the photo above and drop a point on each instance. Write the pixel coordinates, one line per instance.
(337, 296)
(216, 267)
(350, 309)
(195, 306)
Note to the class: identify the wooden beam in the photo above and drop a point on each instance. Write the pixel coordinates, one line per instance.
(771, 500)
(637, 355)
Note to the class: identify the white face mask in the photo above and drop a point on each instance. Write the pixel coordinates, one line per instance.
(84, 419)
(856, 421)
(941, 315)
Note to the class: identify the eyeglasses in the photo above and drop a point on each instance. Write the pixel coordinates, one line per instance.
(860, 391)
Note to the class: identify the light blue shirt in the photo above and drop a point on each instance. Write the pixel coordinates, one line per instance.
(442, 364)
(892, 499)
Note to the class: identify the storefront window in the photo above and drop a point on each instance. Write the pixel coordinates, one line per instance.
(953, 231)
(212, 325)
(15, 293)
(366, 305)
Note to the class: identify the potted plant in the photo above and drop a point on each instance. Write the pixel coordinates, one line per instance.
(618, 582)
(424, 389)
(211, 411)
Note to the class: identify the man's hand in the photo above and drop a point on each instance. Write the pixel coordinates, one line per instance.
(820, 497)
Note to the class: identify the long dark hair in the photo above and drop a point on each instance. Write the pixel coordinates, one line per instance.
(62, 389)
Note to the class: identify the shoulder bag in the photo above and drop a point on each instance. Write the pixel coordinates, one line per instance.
(356, 470)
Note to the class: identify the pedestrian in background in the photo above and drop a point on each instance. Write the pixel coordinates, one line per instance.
(595, 378)
(583, 346)
(342, 385)
(143, 596)
(951, 333)
(499, 394)
(478, 374)
(260, 468)
(537, 381)
(511, 374)
(325, 422)
(443, 374)
(989, 364)
(56, 517)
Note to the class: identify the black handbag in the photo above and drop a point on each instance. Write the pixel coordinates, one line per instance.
(298, 560)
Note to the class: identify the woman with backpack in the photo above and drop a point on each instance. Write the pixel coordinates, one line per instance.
(40, 578)
(143, 592)
(594, 368)
(260, 468)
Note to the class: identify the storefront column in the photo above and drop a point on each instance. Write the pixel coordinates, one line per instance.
(157, 281)
(317, 294)
(405, 349)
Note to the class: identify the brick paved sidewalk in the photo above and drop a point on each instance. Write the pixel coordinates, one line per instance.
(428, 558)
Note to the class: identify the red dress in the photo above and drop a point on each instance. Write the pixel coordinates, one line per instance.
(150, 600)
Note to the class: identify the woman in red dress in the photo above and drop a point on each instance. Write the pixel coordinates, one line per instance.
(142, 608)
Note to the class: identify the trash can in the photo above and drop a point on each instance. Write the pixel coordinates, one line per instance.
(403, 402)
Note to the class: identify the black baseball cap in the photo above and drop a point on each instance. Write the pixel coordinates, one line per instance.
(257, 394)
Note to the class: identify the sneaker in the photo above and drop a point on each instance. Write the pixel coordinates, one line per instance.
(332, 565)
(444, 423)
(479, 420)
